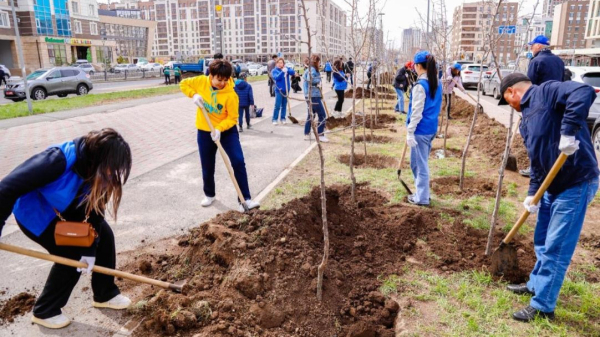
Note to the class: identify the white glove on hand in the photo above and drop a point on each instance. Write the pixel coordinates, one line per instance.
(410, 140)
(90, 260)
(533, 209)
(568, 145)
(198, 100)
(284, 69)
(215, 135)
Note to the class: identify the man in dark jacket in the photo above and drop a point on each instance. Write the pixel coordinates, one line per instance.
(244, 91)
(554, 121)
(349, 69)
(400, 84)
(2, 77)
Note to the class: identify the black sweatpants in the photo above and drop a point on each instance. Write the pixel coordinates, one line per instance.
(62, 279)
(328, 76)
(448, 98)
(340, 101)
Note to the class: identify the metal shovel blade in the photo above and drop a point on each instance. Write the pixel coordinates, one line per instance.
(504, 260)
(178, 286)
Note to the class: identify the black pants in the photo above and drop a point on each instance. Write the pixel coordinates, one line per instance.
(328, 76)
(3, 79)
(244, 110)
(369, 84)
(448, 98)
(271, 89)
(62, 279)
(177, 79)
(167, 79)
(340, 101)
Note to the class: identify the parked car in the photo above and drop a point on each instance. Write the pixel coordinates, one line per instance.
(81, 62)
(591, 76)
(253, 69)
(262, 70)
(470, 74)
(153, 67)
(126, 67)
(88, 68)
(42, 83)
(596, 138)
(490, 84)
(6, 71)
(462, 62)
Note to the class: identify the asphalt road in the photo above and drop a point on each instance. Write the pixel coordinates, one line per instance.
(105, 87)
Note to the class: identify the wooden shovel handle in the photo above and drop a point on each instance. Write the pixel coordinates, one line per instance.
(403, 155)
(225, 158)
(538, 196)
(77, 264)
(324, 103)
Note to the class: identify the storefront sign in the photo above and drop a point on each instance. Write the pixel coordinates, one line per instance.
(81, 42)
(54, 40)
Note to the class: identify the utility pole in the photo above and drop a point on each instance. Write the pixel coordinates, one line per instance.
(21, 57)
(427, 28)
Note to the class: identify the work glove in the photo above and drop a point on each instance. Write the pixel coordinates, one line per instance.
(410, 140)
(568, 145)
(198, 100)
(533, 209)
(90, 260)
(284, 69)
(215, 135)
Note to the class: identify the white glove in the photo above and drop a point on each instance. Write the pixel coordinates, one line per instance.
(90, 260)
(215, 135)
(568, 145)
(533, 209)
(198, 100)
(410, 140)
(284, 69)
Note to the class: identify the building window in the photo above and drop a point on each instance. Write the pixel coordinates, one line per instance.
(93, 28)
(4, 22)
(57, 54)
(92, 10)
(78, 29)
(75, 7)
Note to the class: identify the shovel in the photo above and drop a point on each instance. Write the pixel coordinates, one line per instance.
(324, 103)
(504, 258)
(226, 161)
(400, 170)
(177, 287)
(287, 95)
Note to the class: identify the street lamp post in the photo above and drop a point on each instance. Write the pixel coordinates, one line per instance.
(20, 51)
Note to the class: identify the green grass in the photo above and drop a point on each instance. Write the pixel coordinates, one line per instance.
(53, 105)
(257, 78)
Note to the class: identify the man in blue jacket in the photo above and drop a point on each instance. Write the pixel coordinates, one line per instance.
(543, 67)
(554, 121)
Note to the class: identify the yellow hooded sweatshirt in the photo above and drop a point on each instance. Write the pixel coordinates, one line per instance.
(222, 105)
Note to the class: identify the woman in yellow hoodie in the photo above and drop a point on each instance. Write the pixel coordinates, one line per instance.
(215, 92)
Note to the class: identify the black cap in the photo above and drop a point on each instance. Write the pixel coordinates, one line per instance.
(508, 81)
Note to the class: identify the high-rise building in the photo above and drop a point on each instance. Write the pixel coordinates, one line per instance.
(549, 6)
(592, 33)
(569, 25)
(527, 31)
(412, 41)
(472, 22)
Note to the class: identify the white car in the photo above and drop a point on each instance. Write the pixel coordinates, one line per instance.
(253, 69)
(590, 76)
(152, 67)
(262, 70)
(87, 68)
(470, 74)
(126, 67)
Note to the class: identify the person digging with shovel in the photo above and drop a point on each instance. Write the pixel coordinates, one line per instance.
(554, 121)
(215, 92)
(75, 181)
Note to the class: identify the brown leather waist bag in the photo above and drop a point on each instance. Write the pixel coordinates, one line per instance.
(76, 234)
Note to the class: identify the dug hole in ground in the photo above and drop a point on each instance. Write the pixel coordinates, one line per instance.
(394, 269)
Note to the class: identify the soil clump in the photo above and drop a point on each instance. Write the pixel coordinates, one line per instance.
(372, 161)
(255, 274)
(369, 121)
(16, 306)
(472, 186)
(373, 139)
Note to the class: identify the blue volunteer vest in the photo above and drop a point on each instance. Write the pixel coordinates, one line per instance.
(34, 210)
(429, 124)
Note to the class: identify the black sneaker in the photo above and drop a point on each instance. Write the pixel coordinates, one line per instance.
(520, 289)
(411, 199)
(249, 126)
(241, 129)
(526, 172)
(529, 313)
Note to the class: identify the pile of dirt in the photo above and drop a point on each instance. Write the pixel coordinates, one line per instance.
(371, 121)
(16, 306)
(384, 93)
(519, 151)
(360, 93)
(472, 186)
(255, 274)
(373, 139)
(372, 161)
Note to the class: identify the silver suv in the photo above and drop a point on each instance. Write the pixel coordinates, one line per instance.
(42, 83)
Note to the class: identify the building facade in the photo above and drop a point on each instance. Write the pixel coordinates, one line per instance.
(473, 22)
(592, 32)
(412, 41)
(527, 31)
(569, 25)
(134, 37)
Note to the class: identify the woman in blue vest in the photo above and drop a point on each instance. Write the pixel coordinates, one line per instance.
(422, 123)
(79, 179)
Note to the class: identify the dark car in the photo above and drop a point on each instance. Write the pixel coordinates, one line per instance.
(42, 83)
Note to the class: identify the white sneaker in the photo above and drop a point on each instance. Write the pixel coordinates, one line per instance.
(207, 201)
(118, 302)
(323, 139)
(56, 322)
(283, 121)
(250, 204)
(306, 137)
(275, 123)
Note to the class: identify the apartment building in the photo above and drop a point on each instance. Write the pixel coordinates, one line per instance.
(569, 25)
(472, 23)
(527, 31)
(412, 40)
(549, 6)
(592, 32)
(134, 37)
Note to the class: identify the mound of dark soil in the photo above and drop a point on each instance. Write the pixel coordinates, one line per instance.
(372, 160)
(16, 306)
(255, 274)
(519, 151)
(373, 139)
(472, 186)
(370, 121)
(360, 93)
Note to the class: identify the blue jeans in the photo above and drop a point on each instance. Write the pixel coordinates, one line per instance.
(419, 157)
(400, 103)
(280, 104)
(318, 108)
(230, 140)
(559, 224)
(242, 110)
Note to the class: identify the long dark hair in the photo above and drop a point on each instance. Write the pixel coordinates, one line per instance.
(431, 67)
(109, 167)
(338, 65)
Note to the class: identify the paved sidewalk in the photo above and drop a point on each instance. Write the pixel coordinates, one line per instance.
(162, 197)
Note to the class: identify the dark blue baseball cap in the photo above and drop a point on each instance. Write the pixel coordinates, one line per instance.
(541, 39)
(421, 57)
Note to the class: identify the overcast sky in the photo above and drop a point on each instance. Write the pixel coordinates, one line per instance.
(402, 14)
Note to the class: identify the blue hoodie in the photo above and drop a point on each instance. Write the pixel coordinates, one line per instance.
(279, 78)
(327, 67)
(244, 91)
(339, 81)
